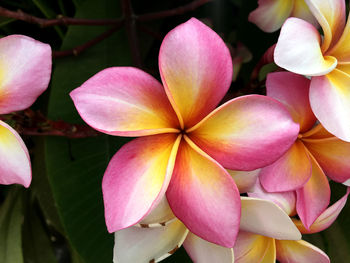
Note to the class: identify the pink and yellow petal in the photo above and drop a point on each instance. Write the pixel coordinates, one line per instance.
(330, 102)
(341, 49)
(196, 70)
(293, 91)
(25, 70)
(246, 133)
(205, 252)
(302, 11)
(245, 180)
(136, 179)
(299, 251)
(298, 49)
(313, 198)
(271, 14)
(14, 158)
(204, 196)
(125, 101)
(265, 218)
(289, 172)
(144, 245)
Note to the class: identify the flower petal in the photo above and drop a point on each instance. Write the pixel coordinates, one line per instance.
(265, 218)
(246, 133)
(298, 49)
(196, 70)
(204, 196)
(136, 179)
(301, 10)
(299, 251)
(313, 198)
(326, 218)
(245, 180)
(289, 172)
(144, 245)
(330, 102)
(125, 101)
(341, 50)
(14, 158)
(271, 14)
(205, 252)
(293, 91)
(25, 70)
(331, 16)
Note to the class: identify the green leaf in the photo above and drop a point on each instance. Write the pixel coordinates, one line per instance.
(75, 167)
(11, 218)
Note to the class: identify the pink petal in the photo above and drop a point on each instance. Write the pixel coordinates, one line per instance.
(299, 251)
(271, 14)
(205, 252)
(136, 179)
(204, 196)
(313, 198)
(298, 49)
(330, 102)
(326, 219)
(125, 101)
(14, 158)
(25, 66)
(196, 69)
(245, 180)
(144, 245)
(246, 133)
(301, 10)
(289, 172)
(293, 91)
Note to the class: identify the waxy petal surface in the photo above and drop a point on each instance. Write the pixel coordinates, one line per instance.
(136, 179)
(330, 102)
(125, 101)
(14, 158)
(342, 49)
(298, 49)
(246, 133)
(142, 245)
(313, 198)
(293, 91)
(204, 196)
(265, 218)
(196, 70)
(205, 252)
(289, 172)
(299, 251)
(301, 10)
(25, 69)
(245, 180)
(271, 14)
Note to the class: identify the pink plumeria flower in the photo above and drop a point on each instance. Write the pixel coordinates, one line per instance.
(185, 143)
(271, 14)
(25, 69)
(301, 49)
(160, 234)
(314, 154)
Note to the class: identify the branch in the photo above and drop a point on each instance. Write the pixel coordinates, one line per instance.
(172, 12)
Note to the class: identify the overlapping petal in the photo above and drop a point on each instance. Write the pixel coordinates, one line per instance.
(341, 50)
(299, 251)
(136, 179)
(125, 101)
(330, 102)
(298, 49)
(301, 10)
(144, 245)
(14, 158)
(271, 14)
(25, 69)
(245, 180)
(196, 70)
(265, 218)
(205, 252)
(204, 196)
(246, 133)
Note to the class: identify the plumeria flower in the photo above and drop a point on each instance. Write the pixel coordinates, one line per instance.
(161, 234)
(271, 14)
(301, 49)
(25, 69)
(314, 154)
(185, 143)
